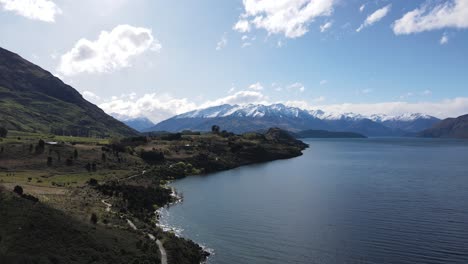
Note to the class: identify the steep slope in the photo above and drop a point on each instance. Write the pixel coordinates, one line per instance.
(239, 119)
(35, 233)
(448, 128)
(33, 100)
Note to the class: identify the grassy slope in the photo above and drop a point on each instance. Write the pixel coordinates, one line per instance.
(35, 233)
(32, 99)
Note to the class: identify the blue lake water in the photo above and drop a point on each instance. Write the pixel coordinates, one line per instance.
(343, 201)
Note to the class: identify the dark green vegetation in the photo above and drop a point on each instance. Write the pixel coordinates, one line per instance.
(326, 134)
(33, 100)
(448, 128)
(72, 190)
(36, 233)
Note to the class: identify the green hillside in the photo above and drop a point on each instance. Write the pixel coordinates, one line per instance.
(33, 100)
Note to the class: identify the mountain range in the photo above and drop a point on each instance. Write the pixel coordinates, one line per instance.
(257, 117)
(33, 100)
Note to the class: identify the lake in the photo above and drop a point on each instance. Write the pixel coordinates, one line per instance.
(382, 200)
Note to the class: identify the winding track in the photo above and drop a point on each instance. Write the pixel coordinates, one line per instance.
(162, 250)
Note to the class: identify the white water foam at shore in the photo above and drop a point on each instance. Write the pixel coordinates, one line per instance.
(163, 213)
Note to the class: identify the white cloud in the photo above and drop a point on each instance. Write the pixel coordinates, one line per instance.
(256, 86)
(242, 26)
(444, 39)
(323, 82)
(362, 7)
(288, 17)
(297, 87)
(44, 10)
(156, 107)
(90, 96)
(449, 14)
(111, 51)
(326, 26)
(241, 97)
(222, 42)
(442, 109)
(375, 17)
(246, 44)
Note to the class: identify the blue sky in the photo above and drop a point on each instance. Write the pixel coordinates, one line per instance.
(159, 58)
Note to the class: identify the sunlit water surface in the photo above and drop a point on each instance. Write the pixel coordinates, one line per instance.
(343, 201)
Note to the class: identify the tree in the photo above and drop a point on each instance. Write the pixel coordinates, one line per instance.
(215, 129)
(75, 154)
(49, 161)
(3, 132)
(18, 189)
(94, 218)
(40, 146)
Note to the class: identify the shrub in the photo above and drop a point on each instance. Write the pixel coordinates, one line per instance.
(215, 129)
(18, 189)
(93, 182)
(94, 218)
(3, 132)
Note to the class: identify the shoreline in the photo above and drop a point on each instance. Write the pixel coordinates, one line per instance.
(179, 199)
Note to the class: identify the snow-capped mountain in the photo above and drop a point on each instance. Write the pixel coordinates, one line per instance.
(250, 110)
(137, 123)
(242, 118)
(400, 124)
(253, 117)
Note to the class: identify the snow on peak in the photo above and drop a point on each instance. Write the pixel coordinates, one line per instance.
(281, 110)
(248, 110)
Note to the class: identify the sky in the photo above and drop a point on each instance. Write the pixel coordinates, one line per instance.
(156, 58)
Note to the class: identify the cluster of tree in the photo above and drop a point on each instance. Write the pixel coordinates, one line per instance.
(3, 132)
(139, 200)
(152, 156)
